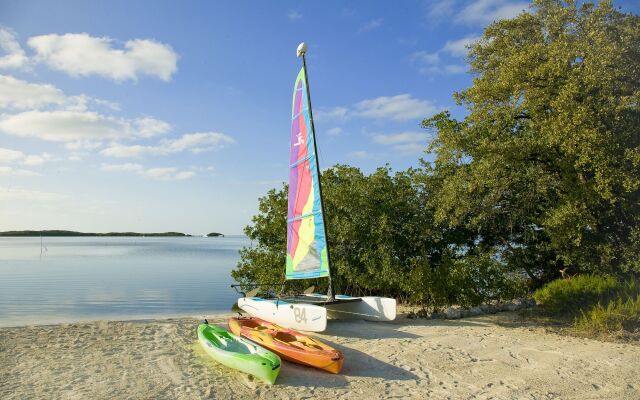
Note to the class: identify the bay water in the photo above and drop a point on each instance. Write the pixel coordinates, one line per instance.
(68, 279)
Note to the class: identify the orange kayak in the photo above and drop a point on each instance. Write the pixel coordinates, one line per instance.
(288, 344)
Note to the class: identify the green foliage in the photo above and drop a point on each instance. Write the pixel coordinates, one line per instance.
(374, 232)
(467, 281)
(264, 260)
(599, 305)
(382, 241)
(545, 168)
(572, 296)
(617, 316)
(542, 175)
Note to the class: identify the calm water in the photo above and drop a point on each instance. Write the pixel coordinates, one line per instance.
(89, 278)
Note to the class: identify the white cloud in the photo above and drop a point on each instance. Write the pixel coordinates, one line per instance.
(128, 167)
(410, 148)
(149, 127)
(184, 175)
(401, 107)
(332, 113)
(359, 155)
(9, 156)
(78, 126)
(459, 48)
(10, 171)
(371, 25)
(337, 131)
(109, 104)
(199, 142)
(483, 12)
(402, 137)
(293, 15)
(195, 142)
(426, 58)
(13, 193)
(33, 160)
(84, 144)
(78, 54)
(163, 173)
(121, 151)
(440, 9)
(452, 69)
(18, 94)
(431, 62)
(404, 142)
(13, 55)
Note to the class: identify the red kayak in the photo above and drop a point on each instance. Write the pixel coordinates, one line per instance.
(288, 344)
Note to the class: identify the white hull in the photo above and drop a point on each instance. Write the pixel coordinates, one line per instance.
(371, 308)
(304, 317)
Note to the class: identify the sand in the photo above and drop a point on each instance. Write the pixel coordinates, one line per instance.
(485, 357)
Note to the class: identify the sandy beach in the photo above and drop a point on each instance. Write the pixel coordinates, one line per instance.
(485, 357)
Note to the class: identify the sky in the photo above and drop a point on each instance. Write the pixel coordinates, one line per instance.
(156, 116)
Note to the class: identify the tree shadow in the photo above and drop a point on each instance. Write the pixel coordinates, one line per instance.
(392, 329)
(367, 330)
(297, 375)
(532, 318)
(356, 364)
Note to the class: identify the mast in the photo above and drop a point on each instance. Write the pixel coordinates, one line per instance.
(302, 50)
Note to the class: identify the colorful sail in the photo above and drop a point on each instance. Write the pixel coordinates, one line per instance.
(306, 237)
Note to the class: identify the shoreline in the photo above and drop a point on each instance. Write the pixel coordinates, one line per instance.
(405, 311)
(141, 318)
(487, 356)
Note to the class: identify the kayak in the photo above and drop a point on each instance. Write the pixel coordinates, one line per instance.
(288, 344)
(239, 353)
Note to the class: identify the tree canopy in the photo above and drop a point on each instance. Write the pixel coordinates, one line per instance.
(545, 168)
(542, 174)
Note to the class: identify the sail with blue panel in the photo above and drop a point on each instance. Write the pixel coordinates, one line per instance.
(306, 235)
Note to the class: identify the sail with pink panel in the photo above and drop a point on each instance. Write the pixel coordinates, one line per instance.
(306, 235)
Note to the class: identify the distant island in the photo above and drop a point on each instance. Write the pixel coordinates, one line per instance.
(73, 233)
(215, 234)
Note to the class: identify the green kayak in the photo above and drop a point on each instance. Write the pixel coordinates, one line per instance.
(239, 353)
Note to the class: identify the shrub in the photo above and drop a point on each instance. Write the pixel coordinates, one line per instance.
(466, 282)
(580, 293)
(601, 304)
(617, 316)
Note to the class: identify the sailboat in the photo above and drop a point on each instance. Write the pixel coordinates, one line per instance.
(308, 255)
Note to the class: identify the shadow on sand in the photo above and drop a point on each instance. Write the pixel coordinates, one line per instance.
(393, 329)
(367, 330)
(356, 364)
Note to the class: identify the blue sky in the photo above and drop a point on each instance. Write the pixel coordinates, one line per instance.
(156, 116)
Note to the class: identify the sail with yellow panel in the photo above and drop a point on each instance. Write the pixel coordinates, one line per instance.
(307, 253)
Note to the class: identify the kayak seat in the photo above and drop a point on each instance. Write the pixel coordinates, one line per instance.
(285, 337)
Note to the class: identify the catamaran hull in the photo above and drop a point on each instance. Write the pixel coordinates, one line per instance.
(303, 317)
(370, 308)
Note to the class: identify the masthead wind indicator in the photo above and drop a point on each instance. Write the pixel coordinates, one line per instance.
(302, 49)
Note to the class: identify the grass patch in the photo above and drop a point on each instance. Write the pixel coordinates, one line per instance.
(567, 297)
(617, 317)
(595, 306)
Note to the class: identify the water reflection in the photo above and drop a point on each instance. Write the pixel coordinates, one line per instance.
(94, 278)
